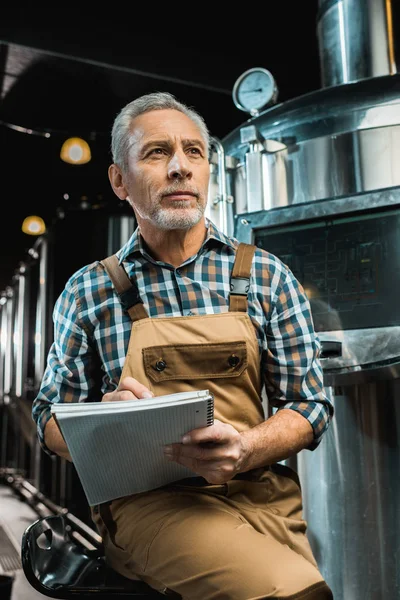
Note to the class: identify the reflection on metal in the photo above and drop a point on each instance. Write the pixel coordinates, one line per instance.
(350, 483)
(119, 231)
(319, 168)
(249, 224)
(219, 208)
(366, 352)
(3, 342)
(380, 371)
(254, 168)
(19, 334)
(41, 312)
(351, 488)
(327, 144)
(326, 112)
(355, 40)
(8, 363)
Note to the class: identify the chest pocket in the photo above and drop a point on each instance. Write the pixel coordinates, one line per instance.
(195, 361)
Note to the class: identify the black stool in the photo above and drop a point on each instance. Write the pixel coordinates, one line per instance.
(58, 566)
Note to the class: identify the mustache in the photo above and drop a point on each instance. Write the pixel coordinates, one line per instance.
(174, 189)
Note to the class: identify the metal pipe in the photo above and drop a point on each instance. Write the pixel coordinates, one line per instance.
(356, 40)
(222, 196)
(45, 507)
(41, 314)
(19, 333)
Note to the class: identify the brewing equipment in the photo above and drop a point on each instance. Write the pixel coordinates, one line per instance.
(26, 308)
(346, 252)
(315, 181)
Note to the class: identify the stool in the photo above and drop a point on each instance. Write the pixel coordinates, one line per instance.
(58, 566)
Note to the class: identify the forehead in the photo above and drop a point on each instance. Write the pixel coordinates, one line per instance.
(163, 125)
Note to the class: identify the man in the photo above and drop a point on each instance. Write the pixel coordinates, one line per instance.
(178, 291)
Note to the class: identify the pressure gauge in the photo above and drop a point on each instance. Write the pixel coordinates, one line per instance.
(254, 90)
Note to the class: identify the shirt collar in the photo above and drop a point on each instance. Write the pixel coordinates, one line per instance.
(135, 243)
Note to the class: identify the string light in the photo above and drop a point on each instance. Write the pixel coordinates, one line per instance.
(74, 150)
(33, 225)
(20, 129)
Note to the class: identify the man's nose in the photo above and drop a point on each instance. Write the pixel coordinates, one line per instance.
(179, 166)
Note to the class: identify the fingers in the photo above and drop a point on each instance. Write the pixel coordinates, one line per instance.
(216, 452)
(128, 389)
(201, 453)
(133, 385)
(214, 470)
(218, 433)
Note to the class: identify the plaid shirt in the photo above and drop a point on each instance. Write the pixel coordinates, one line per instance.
(91, 330)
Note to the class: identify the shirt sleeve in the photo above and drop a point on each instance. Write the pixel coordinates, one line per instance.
(71, 364)
(293, 372)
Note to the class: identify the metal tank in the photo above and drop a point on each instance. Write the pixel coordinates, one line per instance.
(26, 333)
(315, 180)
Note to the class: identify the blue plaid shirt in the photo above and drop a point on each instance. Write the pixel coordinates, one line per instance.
(91, 330)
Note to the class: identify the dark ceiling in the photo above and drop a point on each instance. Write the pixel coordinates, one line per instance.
(70, 75)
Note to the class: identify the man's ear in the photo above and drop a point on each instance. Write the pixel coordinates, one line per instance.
(116, 180)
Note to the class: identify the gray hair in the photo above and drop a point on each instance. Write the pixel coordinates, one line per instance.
(120, 134)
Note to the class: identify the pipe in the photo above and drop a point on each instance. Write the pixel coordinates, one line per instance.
(45, 507)
(355, 39)
(222, 196)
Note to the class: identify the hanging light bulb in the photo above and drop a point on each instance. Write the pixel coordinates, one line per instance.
(75, 151)
(33, 225)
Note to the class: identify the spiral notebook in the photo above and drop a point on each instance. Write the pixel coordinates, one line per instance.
(117, 447)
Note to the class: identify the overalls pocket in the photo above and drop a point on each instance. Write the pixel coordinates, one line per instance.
(195, 361)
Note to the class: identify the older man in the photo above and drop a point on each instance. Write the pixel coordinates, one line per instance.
(236, 530)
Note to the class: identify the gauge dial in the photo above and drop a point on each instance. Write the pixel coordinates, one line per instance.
(254, 90)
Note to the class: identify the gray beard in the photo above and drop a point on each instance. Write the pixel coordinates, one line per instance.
(175, 218)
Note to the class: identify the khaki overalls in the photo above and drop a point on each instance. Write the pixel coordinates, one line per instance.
(241, 540)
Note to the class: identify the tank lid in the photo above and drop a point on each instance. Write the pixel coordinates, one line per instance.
(373, 102)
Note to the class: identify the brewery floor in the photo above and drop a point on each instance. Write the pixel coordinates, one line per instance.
(15, 516)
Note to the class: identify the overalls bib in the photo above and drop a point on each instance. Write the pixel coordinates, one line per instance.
(218, 352)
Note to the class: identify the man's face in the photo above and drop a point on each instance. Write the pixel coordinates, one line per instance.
(168, 170)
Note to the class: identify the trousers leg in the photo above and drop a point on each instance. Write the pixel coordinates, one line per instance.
(215, 544)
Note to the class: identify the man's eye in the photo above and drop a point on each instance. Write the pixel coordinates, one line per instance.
(157, 151)
(194, 151)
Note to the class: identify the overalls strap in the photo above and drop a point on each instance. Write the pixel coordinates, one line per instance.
(240, 278)
(126, 289)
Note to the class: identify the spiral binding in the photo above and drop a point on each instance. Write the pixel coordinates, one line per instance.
(210, 410)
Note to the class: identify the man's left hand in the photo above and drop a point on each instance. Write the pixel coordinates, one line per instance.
(217, 452)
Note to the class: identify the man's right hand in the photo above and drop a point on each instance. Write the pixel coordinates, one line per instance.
(128, 389)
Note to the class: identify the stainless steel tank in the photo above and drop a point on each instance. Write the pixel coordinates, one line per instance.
(26, 329)
(341, 139)
(315, 180)
(346, 252)
(328, 143)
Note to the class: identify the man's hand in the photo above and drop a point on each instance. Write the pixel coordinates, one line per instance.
(128, 389)
(216, 452)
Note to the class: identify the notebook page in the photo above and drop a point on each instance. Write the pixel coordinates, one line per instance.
(121, 453)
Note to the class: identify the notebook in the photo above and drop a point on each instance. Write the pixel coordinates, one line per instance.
(117, 447)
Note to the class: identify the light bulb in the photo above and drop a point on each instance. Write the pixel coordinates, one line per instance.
(75, 151)
(33, 225)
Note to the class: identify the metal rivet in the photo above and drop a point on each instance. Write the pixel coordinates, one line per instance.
(160, 365)
(233, 360)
